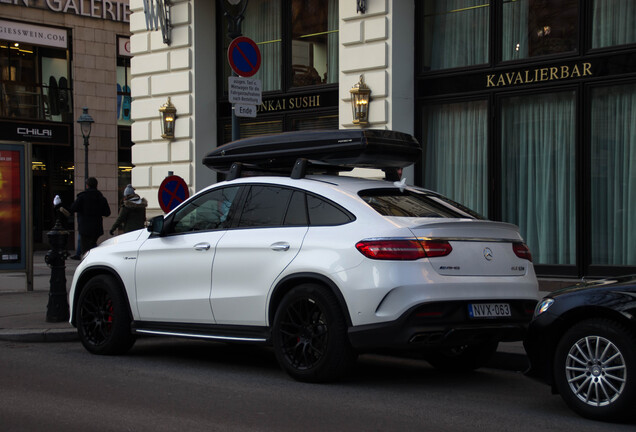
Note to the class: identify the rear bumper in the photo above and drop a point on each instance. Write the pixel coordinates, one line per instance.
(444, 324)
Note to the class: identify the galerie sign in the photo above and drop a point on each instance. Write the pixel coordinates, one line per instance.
(113, 10)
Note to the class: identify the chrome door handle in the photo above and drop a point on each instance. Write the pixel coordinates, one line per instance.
(280, 246)
(202, 246)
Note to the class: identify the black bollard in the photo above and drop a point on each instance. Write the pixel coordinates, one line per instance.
(57, 309)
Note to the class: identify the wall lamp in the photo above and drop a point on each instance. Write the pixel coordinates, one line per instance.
(360, 96)
(168, 114)
(362, 6)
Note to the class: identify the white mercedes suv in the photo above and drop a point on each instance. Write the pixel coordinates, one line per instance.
(320, 267)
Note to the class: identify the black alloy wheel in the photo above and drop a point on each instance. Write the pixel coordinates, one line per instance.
(595, 370)
(310, 335)
(103, 321)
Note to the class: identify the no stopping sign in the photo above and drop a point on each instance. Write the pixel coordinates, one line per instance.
(244, 56)
(172, 192)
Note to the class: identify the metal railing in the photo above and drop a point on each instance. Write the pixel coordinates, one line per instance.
(35, 102)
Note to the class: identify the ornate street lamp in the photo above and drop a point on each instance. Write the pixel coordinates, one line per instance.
(360, 96)
(85, 121)
(168, 114)
(234, 12)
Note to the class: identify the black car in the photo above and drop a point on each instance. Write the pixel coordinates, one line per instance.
(582, 341)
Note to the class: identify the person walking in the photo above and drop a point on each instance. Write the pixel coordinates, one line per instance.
(91, 207)
(132, 215)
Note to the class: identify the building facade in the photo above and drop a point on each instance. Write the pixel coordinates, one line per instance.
(525, 109)
(57, 57)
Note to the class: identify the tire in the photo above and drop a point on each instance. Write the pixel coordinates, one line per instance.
(103, 318)
(310, 335)
(595, 370)
(462, 358)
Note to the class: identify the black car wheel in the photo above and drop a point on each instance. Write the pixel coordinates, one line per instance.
(310, 335)
(595, 370)
(462, 358)
(103, 320)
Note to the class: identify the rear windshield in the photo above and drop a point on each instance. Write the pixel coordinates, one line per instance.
(415, 203)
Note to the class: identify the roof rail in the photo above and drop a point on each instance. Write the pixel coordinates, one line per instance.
(300, 169)
(235, 171)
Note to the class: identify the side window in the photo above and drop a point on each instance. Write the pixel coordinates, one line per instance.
(324, 213)
(297, 210)
(207, 212)
(265, 206)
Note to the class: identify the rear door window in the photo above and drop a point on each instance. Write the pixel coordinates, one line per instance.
(265, 206)
(415, 203)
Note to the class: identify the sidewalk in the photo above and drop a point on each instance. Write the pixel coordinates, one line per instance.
(23, 313)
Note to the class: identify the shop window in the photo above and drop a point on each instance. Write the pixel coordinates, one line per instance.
(455, 143)
(613, 23)
(34, 83)
(315, 122)
(124, 99)
(314, 42)
(455, 33)
(538, 173)
(124, 158)
(250, 129)
(301, 53)
(533, 28)
(613, 176)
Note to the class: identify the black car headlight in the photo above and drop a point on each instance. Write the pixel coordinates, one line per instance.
(543, 306)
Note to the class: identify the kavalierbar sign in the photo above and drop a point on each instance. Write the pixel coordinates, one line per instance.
(112, 10)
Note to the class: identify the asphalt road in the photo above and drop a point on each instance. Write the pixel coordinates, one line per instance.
(185, 385)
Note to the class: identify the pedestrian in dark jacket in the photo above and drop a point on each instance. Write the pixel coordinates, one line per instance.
(91, 206)
(132, 215)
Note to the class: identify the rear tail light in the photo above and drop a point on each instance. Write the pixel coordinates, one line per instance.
(436, 248)
(522, 251)
(404, 250)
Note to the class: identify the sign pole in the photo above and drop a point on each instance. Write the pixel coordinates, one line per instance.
(236, 127)
(234, 19)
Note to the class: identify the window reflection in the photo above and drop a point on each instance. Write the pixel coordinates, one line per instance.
(538, 138)
(34, 82)
(613, 171)
(455, 34)
(314, 42)
(207, 212)
(265, 206)
(539, 27)
(613, 23)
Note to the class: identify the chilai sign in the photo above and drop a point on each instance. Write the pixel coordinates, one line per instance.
(112, 10)
(42, 133)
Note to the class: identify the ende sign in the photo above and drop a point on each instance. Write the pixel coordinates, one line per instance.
(113, 10)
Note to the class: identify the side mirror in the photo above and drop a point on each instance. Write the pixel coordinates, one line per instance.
(156, 225)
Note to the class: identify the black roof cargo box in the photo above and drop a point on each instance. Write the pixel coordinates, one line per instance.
(343, 148)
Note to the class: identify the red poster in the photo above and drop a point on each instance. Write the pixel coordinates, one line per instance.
(10, 206)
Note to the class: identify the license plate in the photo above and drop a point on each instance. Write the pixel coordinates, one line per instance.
(489, 310)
